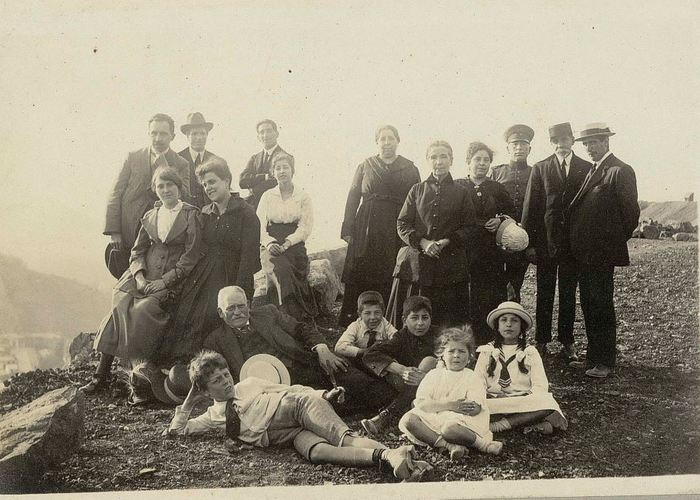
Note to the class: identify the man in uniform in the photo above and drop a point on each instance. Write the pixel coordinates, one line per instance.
(553, 184)
(257, 175)
(602, 216)
(515, 176)
(197, 130)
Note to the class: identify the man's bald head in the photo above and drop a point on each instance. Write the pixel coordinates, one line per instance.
(233, 306)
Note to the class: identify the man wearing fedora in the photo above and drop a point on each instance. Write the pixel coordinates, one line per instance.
(553, 184)
(197, 130)
(515, 175)
(132, 193)
(257, 175)
(301, 348)
(602, 216)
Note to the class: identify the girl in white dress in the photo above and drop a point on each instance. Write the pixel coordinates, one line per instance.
(516, 384)
(450, 410)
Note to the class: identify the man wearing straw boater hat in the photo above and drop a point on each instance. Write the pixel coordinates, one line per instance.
(197, 130)
(553, 184)
(601, 217)
(514, 176)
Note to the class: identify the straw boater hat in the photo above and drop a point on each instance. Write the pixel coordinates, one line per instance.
(511, 237)
(195, 119)
(594, 129)
(509, 307)
(266, 367)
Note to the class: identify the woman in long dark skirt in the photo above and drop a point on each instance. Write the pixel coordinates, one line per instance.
(379, 189)
(286, 219)
(231, 256)
(487, 282)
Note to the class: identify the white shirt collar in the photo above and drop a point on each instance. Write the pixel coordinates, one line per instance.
(193, 154)
(270, 151)
(174, 210)
(566, 159)
(156, 154)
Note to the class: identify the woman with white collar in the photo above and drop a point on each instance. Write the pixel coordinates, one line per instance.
(286, 220)
(166, 250)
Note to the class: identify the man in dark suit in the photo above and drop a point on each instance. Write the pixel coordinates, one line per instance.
(197, 130)
(553, 184)
(302, 349)
(257, 175)
(601, 217)
(132, 194)
(514, 176)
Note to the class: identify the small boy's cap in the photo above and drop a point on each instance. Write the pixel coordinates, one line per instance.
(369, 296)
(512, 308)
(416, 303)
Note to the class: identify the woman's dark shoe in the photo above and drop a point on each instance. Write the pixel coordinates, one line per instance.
(97, 384)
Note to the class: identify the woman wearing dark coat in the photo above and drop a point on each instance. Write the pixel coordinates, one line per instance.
(165, 252)
(487, 282)
(231, 256)
(379, 189)
(437, 219)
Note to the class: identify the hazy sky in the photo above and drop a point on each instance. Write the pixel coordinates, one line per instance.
(80, 81)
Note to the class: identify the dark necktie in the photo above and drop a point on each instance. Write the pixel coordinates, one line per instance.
(198, 159)
(233, 421)
(563, 169)
(372, 338)
(266, 162)
(504, 378)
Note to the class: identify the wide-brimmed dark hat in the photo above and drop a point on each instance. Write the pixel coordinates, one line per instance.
(519, 132)
(195, 119)
(171, 389)
(561, 130)
(594, 129)
(117, 261)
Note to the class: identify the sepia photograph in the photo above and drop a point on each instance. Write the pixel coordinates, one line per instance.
(322, 249)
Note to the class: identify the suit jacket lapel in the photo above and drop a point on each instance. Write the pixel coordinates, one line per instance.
(150, 224)
(592, 180)
(554, 163)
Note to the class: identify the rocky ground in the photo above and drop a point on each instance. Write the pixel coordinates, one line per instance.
(642, 421)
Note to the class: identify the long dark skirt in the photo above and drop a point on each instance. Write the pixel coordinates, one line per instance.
(288, 284)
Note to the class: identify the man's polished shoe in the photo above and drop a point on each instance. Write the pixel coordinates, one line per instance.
(542, 348)
(377, 424)
(599, 371)
(569, 353)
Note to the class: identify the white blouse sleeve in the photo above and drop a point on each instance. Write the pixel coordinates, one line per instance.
(306, 220)
(265, 238)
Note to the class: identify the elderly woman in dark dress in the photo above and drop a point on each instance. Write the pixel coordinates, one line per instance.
(379, 189)
(286, 220)
(486, 261)
(166, 250)
(231, 256)
(437, 218)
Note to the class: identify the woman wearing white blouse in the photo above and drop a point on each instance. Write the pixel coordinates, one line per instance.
(167, 248)
(286, 220)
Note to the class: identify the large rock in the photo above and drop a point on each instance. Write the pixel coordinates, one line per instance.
(325, 284)
(38, 435)
(684, 237)
(81, 351)
(650, 231)
(336, 256)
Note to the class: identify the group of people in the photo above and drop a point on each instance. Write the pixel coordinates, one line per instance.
(195, 248)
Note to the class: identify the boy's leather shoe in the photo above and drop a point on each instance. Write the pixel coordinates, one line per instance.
(599, 371)
(377, 424)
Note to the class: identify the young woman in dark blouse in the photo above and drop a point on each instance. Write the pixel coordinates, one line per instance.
(486, 264)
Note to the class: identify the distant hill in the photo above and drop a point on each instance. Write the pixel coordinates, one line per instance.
(670, 212)
(33, 302)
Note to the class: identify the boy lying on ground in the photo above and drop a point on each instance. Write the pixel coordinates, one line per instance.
(263, 413)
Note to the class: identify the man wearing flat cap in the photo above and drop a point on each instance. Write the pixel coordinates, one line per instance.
(601, 217)
(553, 184)
(257, 175)
(515, 176)
(197, 129)
(132, 194)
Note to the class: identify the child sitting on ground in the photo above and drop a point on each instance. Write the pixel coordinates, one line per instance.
(263, 413)
(450, 411)
(369, 328)
(403, 361)
(516, 383)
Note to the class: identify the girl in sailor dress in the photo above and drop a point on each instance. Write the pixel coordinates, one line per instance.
(516, 383)
(450, 410)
